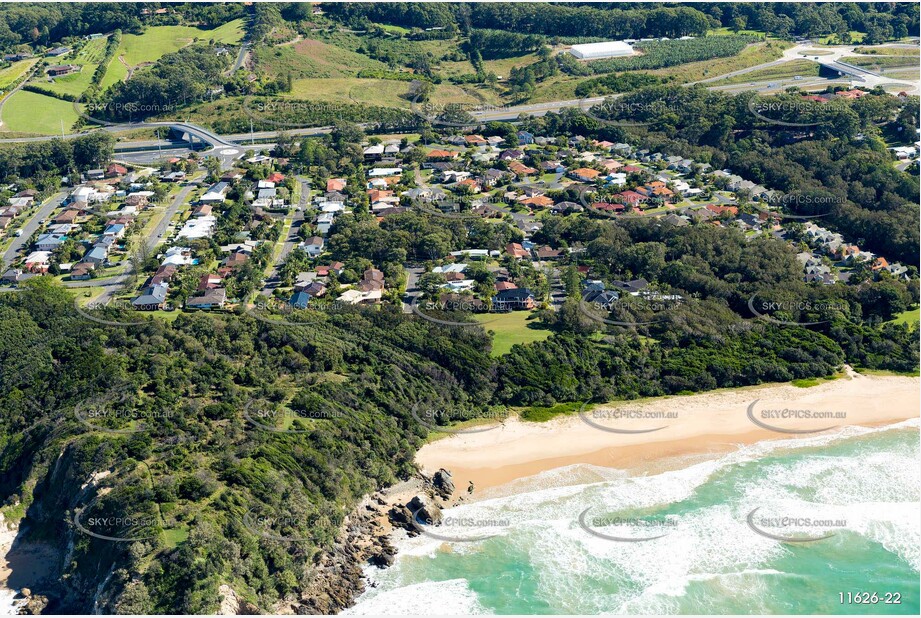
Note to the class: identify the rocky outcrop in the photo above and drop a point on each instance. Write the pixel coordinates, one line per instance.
(337, 577)
(34, 604)
(443, 484)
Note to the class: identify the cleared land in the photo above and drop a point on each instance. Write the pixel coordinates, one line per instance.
(12, 73)
(30, 112)
(888, 50)
(156, 41)
(75, 84)
(511, 328)
(787, 70)
(878, 63)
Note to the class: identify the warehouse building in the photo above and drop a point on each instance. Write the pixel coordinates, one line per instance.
(608, 49)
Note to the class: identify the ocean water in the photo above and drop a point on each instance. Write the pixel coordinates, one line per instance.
(523, 550)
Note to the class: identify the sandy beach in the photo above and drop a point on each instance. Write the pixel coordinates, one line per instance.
(715, 422)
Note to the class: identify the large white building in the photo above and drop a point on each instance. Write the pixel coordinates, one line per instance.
(608, 49)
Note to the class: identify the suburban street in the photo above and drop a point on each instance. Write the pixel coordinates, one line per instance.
(29, 227)
(291, 241)
(113, 285)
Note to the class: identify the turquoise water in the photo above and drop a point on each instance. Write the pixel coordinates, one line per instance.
(863, 485)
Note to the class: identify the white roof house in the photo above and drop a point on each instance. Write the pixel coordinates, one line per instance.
(200, 227)
(607, 49)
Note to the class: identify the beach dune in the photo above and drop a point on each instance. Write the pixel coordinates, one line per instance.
(714, 422)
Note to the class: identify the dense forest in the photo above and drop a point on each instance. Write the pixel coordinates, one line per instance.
(881, 21)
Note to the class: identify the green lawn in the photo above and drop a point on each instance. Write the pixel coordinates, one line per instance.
(174, 536)
(89, 57)
(511, 328)
(10, 74)
(30, 112)
(156, 41)
(908, 317)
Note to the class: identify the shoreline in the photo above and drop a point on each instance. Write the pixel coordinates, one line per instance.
(710, 423)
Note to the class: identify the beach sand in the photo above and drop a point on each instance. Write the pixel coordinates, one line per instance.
(707, 423)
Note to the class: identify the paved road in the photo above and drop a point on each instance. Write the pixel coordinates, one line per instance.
(412, 287)
(29, 227)
(155, 235)
(272, 281)
(113, 285)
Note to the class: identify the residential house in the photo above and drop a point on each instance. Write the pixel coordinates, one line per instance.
(82, 271)
(514, 300)
(517, 251)
(49, 242)
(584, 174)
(336, 184)
(300, 300)
(151, 298)
(214, 298)
(313, 246)
(216, 194)
(96, 256)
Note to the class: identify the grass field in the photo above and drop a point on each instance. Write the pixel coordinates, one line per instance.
(385, 92)
(908, 317)
(10, 74)
(30, 112)
(888, 50)
(833, 39)
(312, 58)
(511, 328)
(806, 68)
(877, 63)
(89, 57)
(155, 42)
(753, 55)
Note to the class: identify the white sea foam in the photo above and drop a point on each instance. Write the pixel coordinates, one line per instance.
(451, 597)
(874, 493)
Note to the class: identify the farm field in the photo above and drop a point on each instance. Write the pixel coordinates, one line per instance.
(10, 74)
(156, 41)
(30, 112)
(753, 55)
(888, 50)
